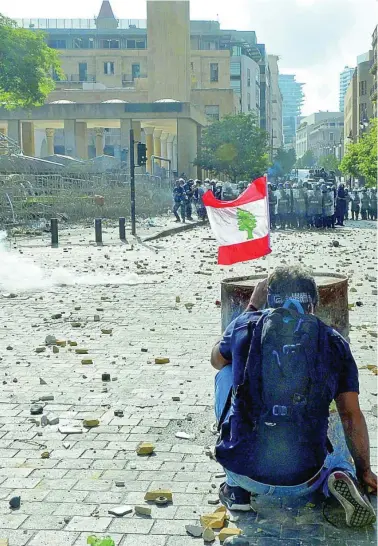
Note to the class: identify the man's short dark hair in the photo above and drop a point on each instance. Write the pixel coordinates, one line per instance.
(289, 282)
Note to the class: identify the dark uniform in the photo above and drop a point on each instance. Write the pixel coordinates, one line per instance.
(365, 203)
(356, 201)
(179, 202)
(272, 206)
(328, 208)
(283, 207)
(315, 207)
(373, 204)
(299, 206)
(188, 189)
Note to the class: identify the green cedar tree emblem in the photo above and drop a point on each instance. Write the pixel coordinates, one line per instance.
(246, 222)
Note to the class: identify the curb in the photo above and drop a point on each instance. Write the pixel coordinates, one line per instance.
(173, 231)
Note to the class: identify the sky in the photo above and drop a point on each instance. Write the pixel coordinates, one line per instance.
(315, 39)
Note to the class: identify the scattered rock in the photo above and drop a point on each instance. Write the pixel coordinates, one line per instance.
(56, 316)
(236, 541)
(194, 530)
(162, 360)
(105, 377)
(335, 243)
(208, 535)
(184, 436)
(156, 493)
(15, 502)
(40, 349)
(50, 340)
(42, 381)
(353, 289)
(36, 409)
(55, 349)
(176, 398)
(87, 361)
(141, 510)
(96, 318)
(228, 532)
(91, 423)
(120, 511)
(108, 331)
(47, 398)
(81, 351)
(53, 420)
(145, 448)
(213, 500)
(9, 348)
(45, 455)
(120, 484)
(118, 413)
(70, 429)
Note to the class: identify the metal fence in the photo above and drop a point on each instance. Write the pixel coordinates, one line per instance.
(31, 199)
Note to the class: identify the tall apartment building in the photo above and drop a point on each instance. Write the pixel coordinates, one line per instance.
(345, 77)
(293, 98)
(127, 64)
(359, 106)
(321, 132)
(276, 98)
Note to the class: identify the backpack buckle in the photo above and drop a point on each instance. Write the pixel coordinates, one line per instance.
(280, 411)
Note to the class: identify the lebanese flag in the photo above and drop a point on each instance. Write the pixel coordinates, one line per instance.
(241, 227)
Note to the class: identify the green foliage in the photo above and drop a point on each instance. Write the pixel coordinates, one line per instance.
(26, 65)
(330, 163)
(235, 147)
(284, 161)
(94, 541)
(361, 157)
(246, 222)
(308, 160)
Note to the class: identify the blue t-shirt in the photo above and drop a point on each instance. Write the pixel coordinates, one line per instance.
(343, 377)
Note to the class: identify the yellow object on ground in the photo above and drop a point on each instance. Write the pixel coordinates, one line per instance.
(91, 423)
(156, 493)
(228, 532)
(145, 448)
(160, 360)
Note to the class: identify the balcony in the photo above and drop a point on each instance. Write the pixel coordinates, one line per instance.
(129, 79)
(76, 78)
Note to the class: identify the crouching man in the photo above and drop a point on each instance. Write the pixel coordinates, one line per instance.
(279, 371)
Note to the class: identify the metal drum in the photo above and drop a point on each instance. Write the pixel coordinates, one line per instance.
(333, 299)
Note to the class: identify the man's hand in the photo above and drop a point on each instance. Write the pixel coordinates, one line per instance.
(369, 480)
(259, 296)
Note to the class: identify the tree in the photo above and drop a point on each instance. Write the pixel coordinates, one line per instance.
(308, 160)
(361, 157)
(235, 147)
(26, 65)
(246, 222)
(284, 161)
(330, 163)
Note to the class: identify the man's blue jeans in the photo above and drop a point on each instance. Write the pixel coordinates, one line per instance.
(340, 458)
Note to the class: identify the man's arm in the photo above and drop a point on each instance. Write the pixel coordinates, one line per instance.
(217, 360)
(357, 436)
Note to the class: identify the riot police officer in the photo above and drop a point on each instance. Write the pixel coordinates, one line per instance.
(272, 206)
(299, 205)
(373, 204)
(283, 207)
(188, 189)
(328, 206)
(356, 201)
(365, 202)
(315, 207)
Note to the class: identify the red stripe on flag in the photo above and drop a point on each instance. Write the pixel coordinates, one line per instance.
(255, 191)
(242, 252)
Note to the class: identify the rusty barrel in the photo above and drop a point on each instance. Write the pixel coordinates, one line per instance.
(333, 299)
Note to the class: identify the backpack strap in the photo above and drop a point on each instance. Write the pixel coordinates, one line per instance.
(225, 410)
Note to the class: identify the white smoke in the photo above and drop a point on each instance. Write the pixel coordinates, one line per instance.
(20, 274)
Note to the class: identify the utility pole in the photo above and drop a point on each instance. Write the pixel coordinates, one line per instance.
(132, 182)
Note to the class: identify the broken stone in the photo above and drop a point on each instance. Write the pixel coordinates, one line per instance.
(176, 398)
(42, 381)
(15, 502)
(50, 340)
(184, 436)
(178, 299)
(120, 511)
(55, 349)
(142, 510)
(4, 542)
(228, 532)
(53, 420)
(96, 318)
(44, 421)
(105, 377)
(46, 398)
(156, 493)
(56, 316)
(69, 429)
(106, 331)
(194, 530)
(213, 500)
(87, 361)
(161, 501)
(145, 448)
(214, 520)
(91, 423)
(45, 455)
(118, 413)
(36, 409)
(72, 343)
(120, 484)
(61, 343)
(208, 535)
(81, 351)
(76, 324)
(335, 243)
(40, 349)
(162, 360)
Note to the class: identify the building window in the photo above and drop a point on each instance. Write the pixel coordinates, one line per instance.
(249, 101)
(57, 44)
(363, 88)
(331, 137)
(83, 72)
(135, 71)
(109, 68)
(136, 44)
(109, 44)
(212, 112)
(83, 43)
(235, 85)
(235, 70)
(214, 70)
(248, 77)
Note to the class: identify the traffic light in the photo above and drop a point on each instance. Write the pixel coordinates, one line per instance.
(142, 154)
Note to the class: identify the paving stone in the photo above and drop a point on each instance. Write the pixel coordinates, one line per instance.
(44, 523)
(50, 538)
(131, 526)
(12, 521)
(90, 524)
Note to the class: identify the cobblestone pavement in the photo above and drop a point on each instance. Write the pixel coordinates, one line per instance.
(67, 496)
